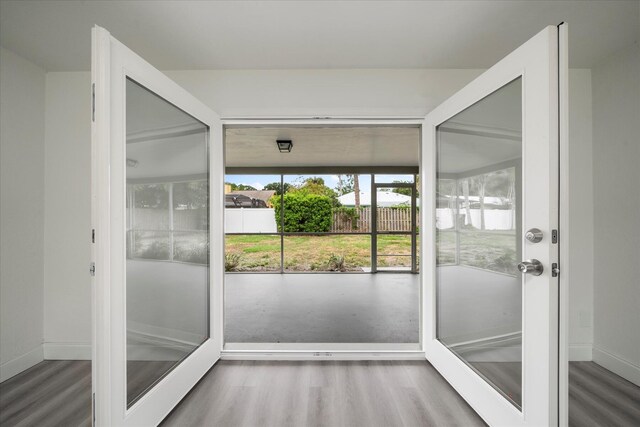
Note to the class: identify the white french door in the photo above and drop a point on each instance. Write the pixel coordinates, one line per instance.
(157, 210)
(490, 162)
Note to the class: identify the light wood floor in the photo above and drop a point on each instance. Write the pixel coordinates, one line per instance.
(323, 394)
(598, 397)
(58, 393)
(52, 393)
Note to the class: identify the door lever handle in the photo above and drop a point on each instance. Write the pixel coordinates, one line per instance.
(531, 266)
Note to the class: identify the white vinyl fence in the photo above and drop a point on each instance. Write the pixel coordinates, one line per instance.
(494, 219)
(239, 220)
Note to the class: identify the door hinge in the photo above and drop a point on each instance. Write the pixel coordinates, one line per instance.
(555, 270)
(554, 236)
(93, 235)
(92, 269)
(93, 408)
(93, 102)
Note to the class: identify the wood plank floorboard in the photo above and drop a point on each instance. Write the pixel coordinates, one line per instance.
(58, 393)
(598, 397)
(51, 393)
(378, 393)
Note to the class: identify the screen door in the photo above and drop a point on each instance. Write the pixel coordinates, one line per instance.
(157, 215)
(490, 162)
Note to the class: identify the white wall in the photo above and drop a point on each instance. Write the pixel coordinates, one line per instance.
(67, 310)
(22, 109)
(581, 214)
(616, 178)
(234, 94)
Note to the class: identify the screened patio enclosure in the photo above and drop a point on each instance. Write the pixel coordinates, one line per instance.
(318, 225)
(325, 252)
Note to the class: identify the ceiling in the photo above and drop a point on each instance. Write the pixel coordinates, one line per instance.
(323, 146)
(185, 34)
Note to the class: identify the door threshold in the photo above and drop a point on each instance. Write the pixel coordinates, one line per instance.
(322, 351)
(291, 355)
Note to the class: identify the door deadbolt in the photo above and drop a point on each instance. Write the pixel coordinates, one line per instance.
(534, 235)
(531, 266)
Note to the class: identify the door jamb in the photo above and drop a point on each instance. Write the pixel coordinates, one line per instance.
(564, 225)
(324, 351)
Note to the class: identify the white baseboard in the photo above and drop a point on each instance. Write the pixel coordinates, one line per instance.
(15, 366)
(580, 353)
(162, 333)
(499, 348)
(67, 351)
(615, 364)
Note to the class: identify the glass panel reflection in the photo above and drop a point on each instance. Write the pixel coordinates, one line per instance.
(479, 292)
(167, 268)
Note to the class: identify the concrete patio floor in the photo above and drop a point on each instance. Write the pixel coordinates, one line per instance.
(378, 308)
(322, 308)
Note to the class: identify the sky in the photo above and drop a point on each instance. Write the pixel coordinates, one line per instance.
(259, 181)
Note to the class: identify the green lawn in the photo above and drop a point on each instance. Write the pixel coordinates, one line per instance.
(489, 250)
(312, 253)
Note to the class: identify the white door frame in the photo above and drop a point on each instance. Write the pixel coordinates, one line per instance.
(535, 62)
(325, 351)
(112, 63)
(564, 191)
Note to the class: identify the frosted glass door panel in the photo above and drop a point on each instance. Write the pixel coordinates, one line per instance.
(167, 267)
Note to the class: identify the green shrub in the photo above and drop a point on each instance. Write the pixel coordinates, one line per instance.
(304, 212)
(336, 263)
(231, 261)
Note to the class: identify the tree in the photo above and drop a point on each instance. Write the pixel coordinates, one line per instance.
(498, 182)
(345, 184)
(481, 185)
(356, 189)
(191, 195)
(467, 205)
(154, 196)
(240, 187)
(406, 191)
(275, 186)
(315, 185)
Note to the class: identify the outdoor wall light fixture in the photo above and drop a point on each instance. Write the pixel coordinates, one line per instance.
(284, 145)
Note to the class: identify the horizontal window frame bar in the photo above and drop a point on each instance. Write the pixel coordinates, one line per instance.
(395, 233)
(322, 170)
(293, 234)
(377, 185)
